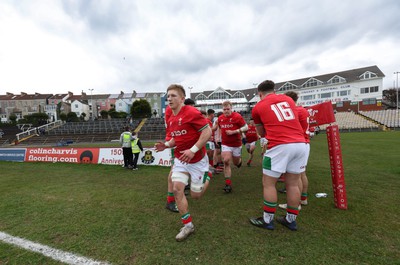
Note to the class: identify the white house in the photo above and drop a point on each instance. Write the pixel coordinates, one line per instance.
(79, 107)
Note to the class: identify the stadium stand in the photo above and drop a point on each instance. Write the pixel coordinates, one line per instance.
(82, 132)
(389, 118)
(153, 129)
(8, 135)
(350, 121)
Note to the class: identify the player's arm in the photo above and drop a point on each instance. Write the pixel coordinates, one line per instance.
(260, 130)
(244, 128)
(161, 146)
(215, 126)
(238, 131)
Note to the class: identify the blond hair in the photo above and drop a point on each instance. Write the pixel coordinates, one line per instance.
(178, 88)
(227, 103)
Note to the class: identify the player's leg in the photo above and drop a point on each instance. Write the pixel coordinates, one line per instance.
(274, 164)
(304, 189)
(226, 155)
(200, 178)
(295, 166)
(237, 156)
(251, 152)
(292, 198)
(171, 204)
(304, 180)
(179, 181)
(270, 201)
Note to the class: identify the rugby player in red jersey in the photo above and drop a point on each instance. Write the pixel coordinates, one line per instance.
(251, 137)
(304, 118)
(171, 204)
(189, 131)
(232, 125)
(276, 117)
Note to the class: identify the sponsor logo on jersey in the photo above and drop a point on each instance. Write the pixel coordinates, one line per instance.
(178, 133)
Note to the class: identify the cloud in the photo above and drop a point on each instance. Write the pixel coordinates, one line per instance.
(146, 45)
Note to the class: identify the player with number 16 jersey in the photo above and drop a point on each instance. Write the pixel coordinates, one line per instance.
(278, 114)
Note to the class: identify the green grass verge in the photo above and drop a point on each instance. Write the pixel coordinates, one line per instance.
(108, 213)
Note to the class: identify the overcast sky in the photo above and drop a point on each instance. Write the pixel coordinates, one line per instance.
(55, 46)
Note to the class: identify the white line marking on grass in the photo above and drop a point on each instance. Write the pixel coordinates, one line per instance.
(53, 253)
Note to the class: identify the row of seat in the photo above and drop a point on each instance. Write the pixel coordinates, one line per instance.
(350, 120)
(389, 118)
(75, 138)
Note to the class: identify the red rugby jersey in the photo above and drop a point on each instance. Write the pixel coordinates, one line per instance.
(185, 128)
(251, 134)
(279, 116)
(232, 122)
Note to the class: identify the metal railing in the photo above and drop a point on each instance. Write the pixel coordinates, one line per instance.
(37, 130)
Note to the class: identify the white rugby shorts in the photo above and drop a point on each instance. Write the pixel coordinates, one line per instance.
(290, 158)
(197, 172)
(236, 151)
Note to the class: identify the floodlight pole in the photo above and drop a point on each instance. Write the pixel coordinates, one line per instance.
(91, 102)
(397, 93)
(190, 91)
(358, 102)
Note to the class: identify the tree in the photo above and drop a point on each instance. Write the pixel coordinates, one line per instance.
(104, 114)
(141, 109)
(390, 97)
(113, 114)
(72, 117)
(13, 118)
(122, 115)
(83, 115)
(63, 116)
(36, 119)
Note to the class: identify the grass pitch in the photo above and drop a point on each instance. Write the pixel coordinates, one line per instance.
(111, 214)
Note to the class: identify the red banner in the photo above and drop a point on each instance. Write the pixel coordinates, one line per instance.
(321, 114)
(67, 154)
(337, 171)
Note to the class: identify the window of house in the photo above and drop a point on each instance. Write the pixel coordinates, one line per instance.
(219, 95)
(373, 89)
(369, 101)
(313, 82)
(336, 79)
(201, 97)
(287, 86)
(308, 97)
(326, 95)
(368, 75)
(238, 95)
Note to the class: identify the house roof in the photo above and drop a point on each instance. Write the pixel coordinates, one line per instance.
(25, 96)
(58, 96)
(350, 76)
